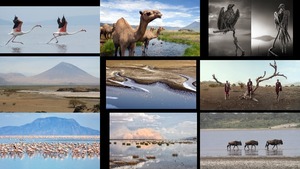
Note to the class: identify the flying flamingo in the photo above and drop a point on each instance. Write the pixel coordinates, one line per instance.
(17, 30)
(62, 29)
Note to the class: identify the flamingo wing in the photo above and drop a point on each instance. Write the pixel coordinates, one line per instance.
(276, 20)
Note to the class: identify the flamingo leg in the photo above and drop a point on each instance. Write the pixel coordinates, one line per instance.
(16, 41)
(10, 39)
(54, 37)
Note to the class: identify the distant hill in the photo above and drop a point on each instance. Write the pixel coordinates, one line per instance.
(265, 38)
(195, 26)
(49, 126)
(61, 74)
(156, 27)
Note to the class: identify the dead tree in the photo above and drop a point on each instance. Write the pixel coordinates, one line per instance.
(258, 81)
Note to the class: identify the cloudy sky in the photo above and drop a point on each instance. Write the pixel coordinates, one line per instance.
(241, 71)
(30, 66)
(91, 120)
(35, 14)
(244, 6)
(176, 13)
(152, 125)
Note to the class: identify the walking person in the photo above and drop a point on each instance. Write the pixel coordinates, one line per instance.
(227, 89)
(250, 88)
(278, 89)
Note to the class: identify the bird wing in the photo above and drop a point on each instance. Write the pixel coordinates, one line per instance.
(236, 17)
(221, 19)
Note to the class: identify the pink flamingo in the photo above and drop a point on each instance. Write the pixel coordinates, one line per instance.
(62, 29)
(17, 30)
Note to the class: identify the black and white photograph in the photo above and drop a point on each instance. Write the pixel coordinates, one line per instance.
(229, 28)
(272, 28)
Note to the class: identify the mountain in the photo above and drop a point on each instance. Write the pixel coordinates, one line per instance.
(61, 74)
(195, 26)
(49, 126)
(156, 27)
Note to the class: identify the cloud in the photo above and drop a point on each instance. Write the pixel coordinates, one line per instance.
(183, 129)
(144, 133)
(130, 117)
(112, 10)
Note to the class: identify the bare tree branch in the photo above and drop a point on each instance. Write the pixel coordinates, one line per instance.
(262, 78)
(214, 77)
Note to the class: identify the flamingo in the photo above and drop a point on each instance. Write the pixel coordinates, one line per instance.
(17, 30)
(62, 29)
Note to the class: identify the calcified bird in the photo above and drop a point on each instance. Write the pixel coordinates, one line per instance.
(226, 22)
(17, 30)
(281, 22)
(62, 29)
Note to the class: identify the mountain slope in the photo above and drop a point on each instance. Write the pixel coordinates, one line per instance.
(61, 74)
(49, 126)
(195, 26)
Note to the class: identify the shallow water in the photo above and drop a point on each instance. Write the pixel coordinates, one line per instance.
(161, 48)
(187, 155)
(36, 41)
(38, 161)
(154, 96)
(214, 142)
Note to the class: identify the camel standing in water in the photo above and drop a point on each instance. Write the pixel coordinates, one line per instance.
(252, 143)
(274, 142)
(234, 144)
(125, 36)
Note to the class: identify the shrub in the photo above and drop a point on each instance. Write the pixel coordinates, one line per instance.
(75, 102)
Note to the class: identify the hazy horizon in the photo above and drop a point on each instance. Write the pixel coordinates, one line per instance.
(30, 66)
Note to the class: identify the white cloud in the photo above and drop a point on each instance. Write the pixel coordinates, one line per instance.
(130, 117)
(112, 10)
(183, 129)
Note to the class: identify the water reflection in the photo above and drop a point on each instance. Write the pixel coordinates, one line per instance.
(233, 152)
(274, 152)
(251, 152)
(16, 50)
(61, 48)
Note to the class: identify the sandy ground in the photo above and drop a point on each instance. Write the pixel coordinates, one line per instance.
(33, 102)
(147, 72)
(249, 162)
(212, 98)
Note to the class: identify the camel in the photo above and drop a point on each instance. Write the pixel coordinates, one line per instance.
(149, 35)
(106, 30)
(125, 36)
(252, 143)
(274, 142)
(234, 144)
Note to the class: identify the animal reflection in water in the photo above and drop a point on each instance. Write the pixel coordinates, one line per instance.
(50, 150)
(234, 152)
(274, 152)
(274, 142)
(251, 152)
(234, 144)
(253, 143)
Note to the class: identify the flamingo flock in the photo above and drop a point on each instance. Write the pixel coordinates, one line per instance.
(62, 30)
(50, 150)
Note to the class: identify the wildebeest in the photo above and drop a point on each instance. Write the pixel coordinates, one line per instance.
(274, 142)
(252, 143)
(234, 144)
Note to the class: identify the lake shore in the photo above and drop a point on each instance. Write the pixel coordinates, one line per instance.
(249, 162)
(230, 129)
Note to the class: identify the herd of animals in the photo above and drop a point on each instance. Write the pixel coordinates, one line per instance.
(253, 143)
(125, 37)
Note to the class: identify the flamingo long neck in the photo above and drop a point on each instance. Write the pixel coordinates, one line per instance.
(141, 30)
(30, 30)
(72, 33)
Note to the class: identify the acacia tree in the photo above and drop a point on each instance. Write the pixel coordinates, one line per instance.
(258, 80)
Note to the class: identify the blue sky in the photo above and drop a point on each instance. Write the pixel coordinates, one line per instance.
(30, 66)
(91, 120)
(167, 125)
(177, 13)
(241, 71)
(35, 14)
